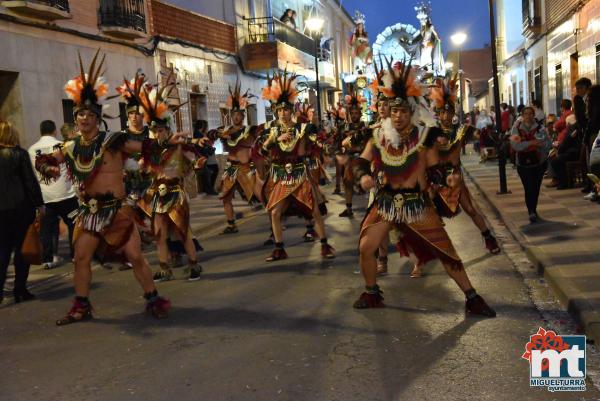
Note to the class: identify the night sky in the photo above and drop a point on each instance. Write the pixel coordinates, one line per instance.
(448, 16)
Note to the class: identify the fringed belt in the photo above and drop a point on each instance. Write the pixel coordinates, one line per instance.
(168, 192)
(98, 213)
(233, 166)
(401, 206)
(289, 174)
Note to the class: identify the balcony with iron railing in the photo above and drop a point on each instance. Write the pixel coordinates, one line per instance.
(44, 9)
(123, 18)
(269, 43)
(269, 29)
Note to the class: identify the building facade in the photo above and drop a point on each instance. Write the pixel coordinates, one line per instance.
(560, 44)
(39, 41)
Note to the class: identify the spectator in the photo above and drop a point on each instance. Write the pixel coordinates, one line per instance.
(21, 195)
(566, 146)
(200, 129)
(593, 127)
(484, 123)
(550, 121)
(520, 111)
(531, 144)
(582, 87)
(288, 18)
(59, 199)
(540, 116)
(505, 118)
(68, 131)
(207, 174)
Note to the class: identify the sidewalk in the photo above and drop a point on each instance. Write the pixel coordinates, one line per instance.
(206, 217)
(564, 244)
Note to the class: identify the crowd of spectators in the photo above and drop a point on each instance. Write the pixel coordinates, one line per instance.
(563, 148)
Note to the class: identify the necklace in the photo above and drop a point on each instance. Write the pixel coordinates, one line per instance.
(87, 142)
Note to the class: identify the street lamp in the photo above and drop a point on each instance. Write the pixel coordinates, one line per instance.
(314, 25)
(458, 39)
(500, 143)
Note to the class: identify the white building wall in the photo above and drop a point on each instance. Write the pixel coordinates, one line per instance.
(588, 38)
(46, 60)
(561, 43)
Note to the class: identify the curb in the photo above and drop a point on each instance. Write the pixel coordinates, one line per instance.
(579, 308)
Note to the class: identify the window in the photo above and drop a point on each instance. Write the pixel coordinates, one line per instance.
(67, 105)
(252, 114)
(123, 115)
(530, 87)
(209, 72)
(225, 117)
(520, 92)
(559, 87)
(537, 83)
(268, 113)
(514, 94)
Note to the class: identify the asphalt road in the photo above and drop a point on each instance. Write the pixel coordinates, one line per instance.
(283, 331)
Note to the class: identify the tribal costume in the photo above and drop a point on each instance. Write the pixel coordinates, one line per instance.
(449, 141)
(289, 172)
(290, 189)
(410, 209)
(355, 136)
(404, 169)
(166, 200)
(136, 180)
(237, 176)
(102, 215)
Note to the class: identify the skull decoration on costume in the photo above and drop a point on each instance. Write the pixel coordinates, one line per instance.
(162, 190)
(93, 206)
(398, 201)
(288, 168)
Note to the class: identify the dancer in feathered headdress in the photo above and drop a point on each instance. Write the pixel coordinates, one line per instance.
(448, 140)
(105, 222)
(380, 104)
(355, 135)
(155, 102)
(166, 200)
(136, 180)
(237, 140)
(443, 95)
(402, 169)
(288, 144)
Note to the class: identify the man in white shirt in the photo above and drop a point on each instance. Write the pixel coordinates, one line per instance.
(59, 198)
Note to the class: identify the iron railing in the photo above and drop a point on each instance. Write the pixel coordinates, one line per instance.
(129, 14)
(62, 5)
(269, 29)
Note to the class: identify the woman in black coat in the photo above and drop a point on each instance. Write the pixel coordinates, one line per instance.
(21, 195)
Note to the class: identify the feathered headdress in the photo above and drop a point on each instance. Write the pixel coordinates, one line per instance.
(302, 110)
(353, 99)
(376, 85)
(154, 101)
(443, 94)
(400, 84)
(281, 89)
(88, 90)
(130, 91)
(236, 101)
